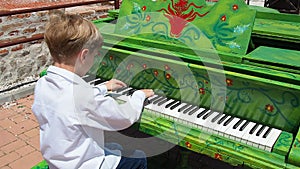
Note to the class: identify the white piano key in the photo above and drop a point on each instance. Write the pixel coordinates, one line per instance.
(261, 140)
(252, 139)
(210, 126)
(201, 122)
(236, 134)
(227, 132)
(272, 138)
(246, 135)
(221, 128)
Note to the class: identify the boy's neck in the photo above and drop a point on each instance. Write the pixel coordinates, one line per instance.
(64, 66)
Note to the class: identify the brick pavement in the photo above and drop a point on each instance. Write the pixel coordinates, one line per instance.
(19, 135)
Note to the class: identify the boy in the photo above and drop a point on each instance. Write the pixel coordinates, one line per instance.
(71, 113)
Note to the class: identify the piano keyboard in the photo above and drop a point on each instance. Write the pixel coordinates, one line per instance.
(234, 128)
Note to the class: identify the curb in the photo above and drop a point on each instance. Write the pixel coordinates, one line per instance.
(16, 94)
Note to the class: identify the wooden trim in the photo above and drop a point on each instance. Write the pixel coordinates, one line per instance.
(51, 5)
(23, 40)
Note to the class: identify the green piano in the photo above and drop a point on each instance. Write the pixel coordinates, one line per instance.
(225, 84)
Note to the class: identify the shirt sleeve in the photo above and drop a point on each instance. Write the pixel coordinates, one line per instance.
(106, 113)
(102, 89)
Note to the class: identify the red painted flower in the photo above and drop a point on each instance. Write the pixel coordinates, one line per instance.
(235, 7)
(111, 57)
(148, 18)
(201, 90)
(167, 67)
(269, 108)
(218, 156)
(229, 82)
(188, 144)
(129, 66)
(155, 72)
(168, 76)
(144, 66)
(144, 8)
(223, 18)
(103, 63)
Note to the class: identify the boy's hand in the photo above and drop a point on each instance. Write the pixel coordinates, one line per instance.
(148, 92)
(114, 84)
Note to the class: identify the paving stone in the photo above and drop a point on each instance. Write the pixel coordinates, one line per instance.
(12, 146)
(4, 160)
(25, 150)
(27, 161)
(6, 138)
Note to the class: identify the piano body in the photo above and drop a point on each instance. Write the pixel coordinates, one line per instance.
(215, 95)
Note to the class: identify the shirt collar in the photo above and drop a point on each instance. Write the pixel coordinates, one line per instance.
(66, 74)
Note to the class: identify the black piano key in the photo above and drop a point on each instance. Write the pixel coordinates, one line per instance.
(193, 111)
(207, 115)
(237, 124)
(126, 92)
(175, 105)
(131, 92)
(146, 102)
(99, 81)
(260, 130)
(156, 97)
(183, 107)
(121, 89)
(89, 78)
(244, 126)
(228, 121)
(222, 119)
(170, 104)
(163, 101)
(158, 100)
(267, 132)
(253, 129)
(216, 117)
(202, 113)
(188, 109)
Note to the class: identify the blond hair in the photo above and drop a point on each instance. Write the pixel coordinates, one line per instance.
(67, 34)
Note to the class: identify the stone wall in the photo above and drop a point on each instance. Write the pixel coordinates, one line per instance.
(22, 62)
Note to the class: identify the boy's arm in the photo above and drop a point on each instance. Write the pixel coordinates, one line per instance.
(102, 89)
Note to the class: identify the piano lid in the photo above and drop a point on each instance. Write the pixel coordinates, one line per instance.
(275, 58)
(225, 26)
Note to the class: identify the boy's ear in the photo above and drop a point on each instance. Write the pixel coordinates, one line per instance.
(83, 54)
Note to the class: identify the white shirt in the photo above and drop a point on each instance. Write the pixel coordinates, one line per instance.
(73, 115)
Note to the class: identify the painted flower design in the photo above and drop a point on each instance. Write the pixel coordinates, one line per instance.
(148, 18)
(144, 8)
(218, 156)
(201, 90)
(235, 7)
(167, 67)
(229, 82)
(269, 108)
(111, 58)
(223, 18)
(188, 144)
(129, 66)
(144, 66)
(155, 72)
(103, 63)
(168, 76)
